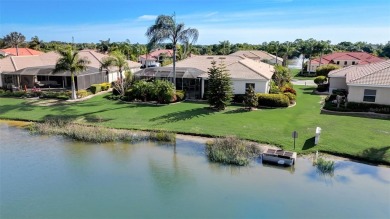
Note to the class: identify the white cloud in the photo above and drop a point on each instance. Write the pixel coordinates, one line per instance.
(147, 17)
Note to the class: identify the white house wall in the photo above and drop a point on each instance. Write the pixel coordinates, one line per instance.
(337, 83)
(240, 88)
(356, 94)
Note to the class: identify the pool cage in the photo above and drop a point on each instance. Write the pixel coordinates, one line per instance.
(187, 79)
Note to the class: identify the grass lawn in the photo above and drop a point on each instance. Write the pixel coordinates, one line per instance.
(363, 138)
(295, 75)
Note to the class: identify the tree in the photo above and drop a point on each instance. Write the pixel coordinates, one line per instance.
(220, 90)
(385, 51)
(104, 46)
(35, 43)
(116, 59)
(274, 47)
(70, 61)
(311, 49)
(287, 48)
(325, 69)
(250, 99)
(224, 47)
(14, 39)
(281, 76)
(320, 80)
(166, 28)
(322, 47)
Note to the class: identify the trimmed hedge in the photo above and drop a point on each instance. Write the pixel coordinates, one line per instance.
(273, 100)
(358, 107)
(95, 88)
(105, 86)
(12, 94)
(82, 93)
(291, 97)
(238, 98)
(180, 95)
(289, 90)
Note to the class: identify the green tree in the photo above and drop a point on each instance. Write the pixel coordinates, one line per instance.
(325, 69)
(281, 76)
(164, 91)
(70, 61)
(250, 99)
(166, 28)
(118, 60)
(322, 47)
(220, 90)
(287, 48)
(274, 47)
(385, 52)
(35, 43)
(14, 39)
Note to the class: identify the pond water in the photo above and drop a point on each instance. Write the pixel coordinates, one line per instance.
(54, 177)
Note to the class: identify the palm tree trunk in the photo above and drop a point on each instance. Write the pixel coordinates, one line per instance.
(174, 64)
(319, 65)
(303, 62)
(17, 50)
(73, 87)
(122, 85)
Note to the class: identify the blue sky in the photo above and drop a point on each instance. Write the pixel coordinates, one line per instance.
(239, 21)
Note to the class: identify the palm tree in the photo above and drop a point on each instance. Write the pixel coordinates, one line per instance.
(70, 61)
(287, 49)
(166, 28)
(14, 39)
(116, 59)
(274, 47)
(323, 47)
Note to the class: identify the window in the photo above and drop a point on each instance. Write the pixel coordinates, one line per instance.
(247, 85)
(353, 62)
(338, 62)
(345, 62)
(369, 95)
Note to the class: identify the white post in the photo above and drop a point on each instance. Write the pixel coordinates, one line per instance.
(318, 133)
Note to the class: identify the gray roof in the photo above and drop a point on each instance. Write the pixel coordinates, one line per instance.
(48, 70)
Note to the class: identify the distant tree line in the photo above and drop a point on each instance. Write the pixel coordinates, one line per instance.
(309, 48)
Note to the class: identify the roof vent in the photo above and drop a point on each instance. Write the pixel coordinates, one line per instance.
(222, 57)
(210, 57)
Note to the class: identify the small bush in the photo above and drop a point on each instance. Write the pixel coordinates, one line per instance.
(12, 94)
(162, 136)
(324, 70)
(231, 150)
(180, 95)
(325, 166)
(330, 98)
(341, 92)
(164, 91)
(95, 88)
(291, 97)
(323, 87)
(273, 100)
(238, 98)
(368, 107)
(62, 97)
(82, 93)
(105, 86)
(289, 90)
(320, 80)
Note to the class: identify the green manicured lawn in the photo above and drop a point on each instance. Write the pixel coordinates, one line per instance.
(350, 136)
(295, 75)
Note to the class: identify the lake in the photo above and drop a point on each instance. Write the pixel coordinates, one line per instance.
(55, 177)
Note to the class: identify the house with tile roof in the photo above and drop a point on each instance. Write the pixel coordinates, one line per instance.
(369, 83)
(191, 74)
(36, 70)
(259, 56)
(343, 59)
(155, 58)
(20, 52)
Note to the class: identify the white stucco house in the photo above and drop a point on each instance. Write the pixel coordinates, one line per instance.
(191, 74)
(154, 58)
(368, 83)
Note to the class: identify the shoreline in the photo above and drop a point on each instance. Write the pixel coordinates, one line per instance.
(204, 138)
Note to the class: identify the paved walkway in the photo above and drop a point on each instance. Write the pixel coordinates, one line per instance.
(303, 82)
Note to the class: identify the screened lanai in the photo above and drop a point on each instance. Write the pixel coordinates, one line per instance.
(187, 79)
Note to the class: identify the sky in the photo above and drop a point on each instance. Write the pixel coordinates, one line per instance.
(239, 21)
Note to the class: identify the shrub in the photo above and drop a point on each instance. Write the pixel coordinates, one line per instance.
(105, 86)
(320, 80)
(238, 98)
(180, 95)
(231, 150)
(82, 93)
(162, 136)
(250, 99)
(274, 89)
(325, 166)
(273, 100)
(324, 70)
(164, 91)
(330, 98)
(95, 88)
(368, 107)
(289, 90)
(62, 97)
(291, 97)
(323, 87)
(142, 90)
(13, 94)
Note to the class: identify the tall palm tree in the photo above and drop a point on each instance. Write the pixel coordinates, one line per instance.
(116, 59)
(70, 61)
(14, 39)
(322, 47)
(166, 28)
(287, 48)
